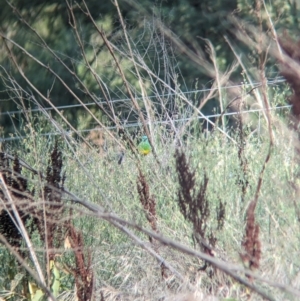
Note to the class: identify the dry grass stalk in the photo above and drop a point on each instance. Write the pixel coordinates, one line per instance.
(221, 210)
(243, 178)
(51, 230)
(251, 244)
(83, 273)
(149, 204)
(194, 205)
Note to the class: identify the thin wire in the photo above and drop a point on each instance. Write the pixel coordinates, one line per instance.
(138, 124)
(256, 84)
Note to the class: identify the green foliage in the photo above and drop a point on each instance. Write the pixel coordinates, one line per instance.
(190, 21)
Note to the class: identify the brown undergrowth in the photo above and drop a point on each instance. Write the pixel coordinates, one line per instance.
(196, 208)
(18, 189)
(44, 210)
(251, 244)
(149, 204)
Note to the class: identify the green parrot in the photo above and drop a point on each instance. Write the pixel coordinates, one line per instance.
(144, 147)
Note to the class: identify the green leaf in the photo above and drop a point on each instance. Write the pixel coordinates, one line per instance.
(55, 287)
(14, 283)
(35, 292)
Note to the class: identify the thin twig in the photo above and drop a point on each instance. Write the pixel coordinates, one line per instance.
(27, 268)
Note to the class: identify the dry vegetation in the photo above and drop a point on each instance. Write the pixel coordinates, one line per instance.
(206, 216)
